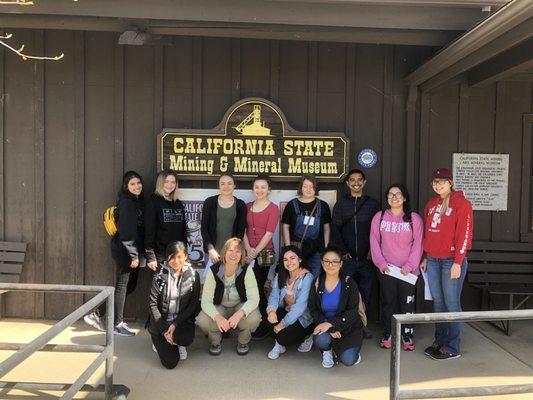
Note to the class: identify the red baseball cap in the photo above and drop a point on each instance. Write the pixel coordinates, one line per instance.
(442, 173)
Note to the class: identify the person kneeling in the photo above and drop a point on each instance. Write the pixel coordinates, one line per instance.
(230, 299)
(174, 304)
(287, 304)
(334, 305)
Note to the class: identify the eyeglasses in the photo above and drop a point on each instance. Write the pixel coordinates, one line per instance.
(397, 195)
(335, 263)
(439, 182)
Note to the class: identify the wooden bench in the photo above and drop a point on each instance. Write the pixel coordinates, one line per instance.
(11, 259)
(502, 269)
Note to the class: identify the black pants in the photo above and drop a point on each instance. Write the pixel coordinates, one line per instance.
(362, 273)
(292, 334)
(125, 283)
(396, 293)
(261, 276)
(169, 354)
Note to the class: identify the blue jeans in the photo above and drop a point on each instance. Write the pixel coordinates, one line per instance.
(348, 357)
(362, 273)
(314, 264)
(446, 295)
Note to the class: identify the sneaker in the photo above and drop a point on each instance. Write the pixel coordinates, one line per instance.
(215, 349)
(183, 352)
(122, 329)
(385, 342)
(443, 355)
(306, 345)
(327, 359)
(243, 349)
(260, 333)
(407, 343)
(276, 351)
(95, 321)
(153, 348)
(430, 350)
(358, 359)
(367, 333)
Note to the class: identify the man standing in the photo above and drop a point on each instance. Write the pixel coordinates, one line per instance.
(350, 231)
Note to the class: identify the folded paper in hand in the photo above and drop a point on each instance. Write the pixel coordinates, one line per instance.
(397, 273)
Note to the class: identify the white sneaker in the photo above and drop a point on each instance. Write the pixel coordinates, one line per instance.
(276, 351)
(306, 345)
(95, 321)
(153, 348)
(327, 359)
(183, 352)
(358, 359)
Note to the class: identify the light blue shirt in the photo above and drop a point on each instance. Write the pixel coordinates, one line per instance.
(299, 310)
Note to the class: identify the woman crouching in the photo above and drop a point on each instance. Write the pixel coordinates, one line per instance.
(230, 299)
(287, 305)
(334, 305)
(174, 304)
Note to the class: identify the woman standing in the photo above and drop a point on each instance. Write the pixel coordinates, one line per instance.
(449, 225)
(127, 251)
(165, 219)
(287, 304)
(396, 242)
(174, 304)
(223, 217)
(334, 306)
(262, 218)
(306, 223)
(230, 299)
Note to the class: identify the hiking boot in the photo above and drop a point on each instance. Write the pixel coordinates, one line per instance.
(306, 345)
(385, 342)
(276, 351)
(443, 355)
(183, 352)
(122, 329)
(243, 349)
(95, 321)
(215, 349)
(407, 343)
(367, 333)
(430, 350)
(327, 359)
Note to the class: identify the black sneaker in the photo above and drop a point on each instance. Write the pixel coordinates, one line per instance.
(215, 349)
(367, 333)
(430, 350)
(443, 355)
(261, 333)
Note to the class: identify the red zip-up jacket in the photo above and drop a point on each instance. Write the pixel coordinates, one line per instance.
(449, 235)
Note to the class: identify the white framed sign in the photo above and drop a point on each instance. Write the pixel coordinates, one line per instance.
(484, 178)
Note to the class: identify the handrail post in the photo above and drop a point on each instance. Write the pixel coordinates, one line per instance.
(110, 319)
(395, 359)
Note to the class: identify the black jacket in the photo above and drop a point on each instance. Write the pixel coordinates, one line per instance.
(239, 283)
(189, 305)
(129, 217)
(346, 320)
(209, 221)
(349, 235)
(164, 222)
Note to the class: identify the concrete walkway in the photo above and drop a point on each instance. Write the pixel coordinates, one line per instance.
(293, 376)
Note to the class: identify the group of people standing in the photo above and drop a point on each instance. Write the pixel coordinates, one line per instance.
(321, 286)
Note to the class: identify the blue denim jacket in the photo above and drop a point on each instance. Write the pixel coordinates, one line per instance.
(299, 310)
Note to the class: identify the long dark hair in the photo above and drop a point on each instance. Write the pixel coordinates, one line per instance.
(406, 203)
(128, 176)
(283, 274)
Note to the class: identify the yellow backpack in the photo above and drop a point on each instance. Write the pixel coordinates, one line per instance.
(110, 224)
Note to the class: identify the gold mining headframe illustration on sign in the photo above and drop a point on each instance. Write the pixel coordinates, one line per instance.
(256, 128)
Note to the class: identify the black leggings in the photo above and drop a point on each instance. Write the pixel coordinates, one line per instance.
(261, 276)
(169, 354)
(396, 293)
(292, 334)
(125, 283)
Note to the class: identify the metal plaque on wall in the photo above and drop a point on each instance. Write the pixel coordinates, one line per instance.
(253, 137)
(484, 178)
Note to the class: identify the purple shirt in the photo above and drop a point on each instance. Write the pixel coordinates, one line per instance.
(400, 245)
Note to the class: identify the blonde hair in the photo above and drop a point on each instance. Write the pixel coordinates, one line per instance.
(227, 245)
(160, 183)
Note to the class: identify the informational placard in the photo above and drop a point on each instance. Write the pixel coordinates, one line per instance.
(193, 199)
(484, 178)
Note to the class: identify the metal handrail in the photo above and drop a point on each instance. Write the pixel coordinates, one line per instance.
(103, 293)
(468, 316)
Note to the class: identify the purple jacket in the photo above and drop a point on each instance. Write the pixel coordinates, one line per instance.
(395, 242)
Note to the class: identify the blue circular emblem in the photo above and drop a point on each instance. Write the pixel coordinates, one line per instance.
(367, 158)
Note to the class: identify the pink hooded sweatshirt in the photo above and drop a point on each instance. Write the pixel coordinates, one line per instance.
(400, 246)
